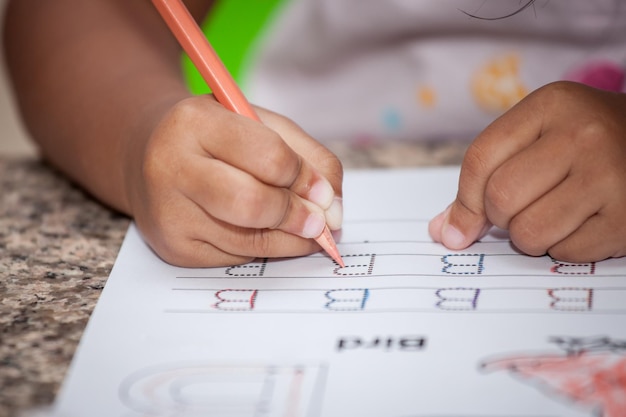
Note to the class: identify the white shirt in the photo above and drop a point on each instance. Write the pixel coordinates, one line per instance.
(368, 70)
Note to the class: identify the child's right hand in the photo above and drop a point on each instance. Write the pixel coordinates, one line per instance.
(208, 187)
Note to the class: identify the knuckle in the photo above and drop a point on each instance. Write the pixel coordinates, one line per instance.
(252, 209)
(612, 180)
(556, 91)
(281, 164)
(528, 236)
(474, 162)
(170, 249)
(563, 252)
(185, 251)
(174, 257)
(593, 135)
(248, 206)
(498, 200)
(260, 243)
(188, 109)
(330, 166)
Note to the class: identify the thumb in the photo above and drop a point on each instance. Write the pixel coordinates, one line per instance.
(444, 228)
(465, 220)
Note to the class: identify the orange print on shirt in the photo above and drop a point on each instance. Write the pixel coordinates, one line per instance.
(426, 96)
(497, 86)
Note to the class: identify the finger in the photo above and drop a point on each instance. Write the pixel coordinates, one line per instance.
(251, 147)
(202, 241)
(554, 216)
(262, 152)
(525, 177)
(508, 135)
(435, 226)
(194, 253)
(595, 240)
(256, 243)
(306, 146)
(236, 197)
(318, 162)
(175, 238)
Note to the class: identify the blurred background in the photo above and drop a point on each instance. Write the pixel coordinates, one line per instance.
(13, 138)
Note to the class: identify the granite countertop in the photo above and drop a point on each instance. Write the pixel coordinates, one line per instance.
(57, 247)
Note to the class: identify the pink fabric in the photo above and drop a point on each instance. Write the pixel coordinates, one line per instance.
(605, 75)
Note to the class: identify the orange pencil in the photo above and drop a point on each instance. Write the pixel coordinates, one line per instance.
(224, 88)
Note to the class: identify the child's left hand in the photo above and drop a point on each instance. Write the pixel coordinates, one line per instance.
(552, 170)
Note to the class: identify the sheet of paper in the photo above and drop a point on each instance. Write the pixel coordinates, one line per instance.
(406, 329)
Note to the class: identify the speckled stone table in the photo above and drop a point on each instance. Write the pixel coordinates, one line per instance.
(57, 247)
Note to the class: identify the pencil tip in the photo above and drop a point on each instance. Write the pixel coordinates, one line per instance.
(326, 241)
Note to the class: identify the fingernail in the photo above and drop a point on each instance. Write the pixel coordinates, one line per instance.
(452, 238)
(334, 214)
(313, 226)
(321, 193)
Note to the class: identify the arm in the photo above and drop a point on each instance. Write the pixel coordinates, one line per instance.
(89, 76)
(100, 89)
(552, 171)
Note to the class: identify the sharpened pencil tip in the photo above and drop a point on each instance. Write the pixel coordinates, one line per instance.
(326, 241)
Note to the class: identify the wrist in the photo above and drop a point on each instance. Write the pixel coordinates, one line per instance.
(135, 147)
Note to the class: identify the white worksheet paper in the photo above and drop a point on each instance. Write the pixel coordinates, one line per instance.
(407, 329)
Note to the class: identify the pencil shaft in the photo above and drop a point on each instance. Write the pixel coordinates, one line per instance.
(195, 44)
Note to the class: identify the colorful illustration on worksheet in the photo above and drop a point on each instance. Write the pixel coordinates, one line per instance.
(590, 373)
(201, 390)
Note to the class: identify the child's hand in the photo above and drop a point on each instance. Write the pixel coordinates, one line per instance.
(552, 171)
(216, 188)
